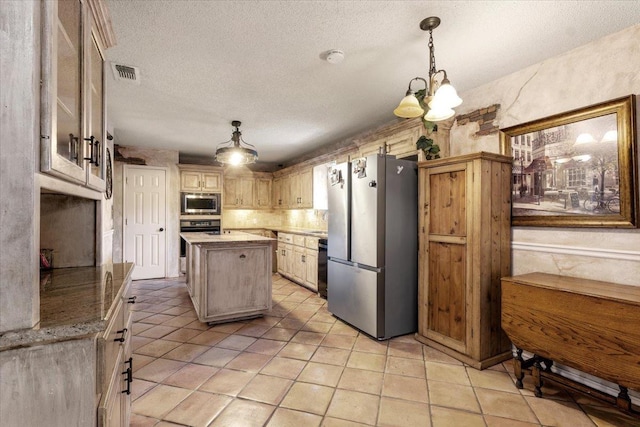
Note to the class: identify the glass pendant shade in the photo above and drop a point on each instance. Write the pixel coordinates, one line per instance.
(446, 95)
(585, 138)
(409, 107)
(439, 113)
(233, 152)
(610, 136)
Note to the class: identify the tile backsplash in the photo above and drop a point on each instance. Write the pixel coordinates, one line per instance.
(297, 218)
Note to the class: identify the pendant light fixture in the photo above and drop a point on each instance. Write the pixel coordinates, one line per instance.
(236, 151)
(440, 102)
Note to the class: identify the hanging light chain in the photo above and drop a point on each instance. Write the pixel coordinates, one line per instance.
(432, 56)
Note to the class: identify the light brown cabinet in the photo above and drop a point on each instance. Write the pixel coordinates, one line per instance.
(401, 143)
(200, 180)
(301, 189)
(262, 193)
(298, 259)
(281, 192)
(73, 98)
(238, 192)
(464, 230)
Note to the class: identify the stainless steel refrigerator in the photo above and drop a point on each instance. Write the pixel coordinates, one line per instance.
(373, 245)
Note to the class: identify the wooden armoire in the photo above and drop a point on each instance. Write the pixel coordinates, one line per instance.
(465, 233)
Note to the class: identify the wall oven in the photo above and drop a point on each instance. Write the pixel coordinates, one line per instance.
(199, 225)
(200, 203)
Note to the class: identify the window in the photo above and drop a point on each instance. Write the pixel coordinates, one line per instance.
(576, 177)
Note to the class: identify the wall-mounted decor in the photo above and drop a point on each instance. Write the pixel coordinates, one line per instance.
(576, 169)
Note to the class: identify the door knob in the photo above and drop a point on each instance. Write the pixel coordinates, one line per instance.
(161, 229)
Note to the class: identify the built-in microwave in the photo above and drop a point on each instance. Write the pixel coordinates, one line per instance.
(200, 203)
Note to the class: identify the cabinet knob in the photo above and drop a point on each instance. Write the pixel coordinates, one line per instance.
(161, 229)
(123, 332)
(243, 256)
(132, 300)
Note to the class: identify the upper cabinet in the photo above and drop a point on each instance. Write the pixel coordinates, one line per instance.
(262, 193)
(73, 132)
(200, 179)
(238, 192)
(301, 189)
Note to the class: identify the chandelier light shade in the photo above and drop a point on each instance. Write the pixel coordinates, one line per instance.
(236, 151)
(440, 97)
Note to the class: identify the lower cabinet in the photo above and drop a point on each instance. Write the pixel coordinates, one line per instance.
(298, 259)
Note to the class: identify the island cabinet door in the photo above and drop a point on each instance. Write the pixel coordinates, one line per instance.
(238, 281)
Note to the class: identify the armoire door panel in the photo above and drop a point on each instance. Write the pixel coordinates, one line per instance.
(447, 194)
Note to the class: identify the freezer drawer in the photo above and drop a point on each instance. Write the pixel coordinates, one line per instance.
(355, 298)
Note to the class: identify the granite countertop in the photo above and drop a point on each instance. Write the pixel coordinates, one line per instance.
(200, 237)
(74, 303)
(323, 234)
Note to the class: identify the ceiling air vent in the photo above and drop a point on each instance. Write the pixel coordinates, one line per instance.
(126, 73)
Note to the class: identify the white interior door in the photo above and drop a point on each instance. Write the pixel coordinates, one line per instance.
(144, 221)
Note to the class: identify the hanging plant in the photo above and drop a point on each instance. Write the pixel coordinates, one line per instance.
(430, 150)
(429, 126)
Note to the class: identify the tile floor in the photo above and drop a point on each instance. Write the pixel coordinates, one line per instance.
(299, 366)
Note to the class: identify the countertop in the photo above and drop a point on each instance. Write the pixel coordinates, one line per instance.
(236, 236)
(74, 303)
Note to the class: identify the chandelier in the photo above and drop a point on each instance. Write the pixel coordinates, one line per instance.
(236, 151)
(438, 103)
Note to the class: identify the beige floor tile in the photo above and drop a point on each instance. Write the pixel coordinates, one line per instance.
(280, 334)
(503, 404)
(157, 331)
(157, 348)
(244, 413)
(263, 346)
(199, 409)
(368, 361)
(343, 329)
(361, 380)
(191, 376)
(367, 345)
(236, 342)
(253, 330)
(433, 355)
(252, 362)
(228, 328)
(139, 315)
(305, 397)
(495, 380)
(493, 421)
(142, 421)
(157, 319)
(336, 422)
(179, 321)
(406, 388)
(298, 351)
(354, 406)
(550, 390)
(306, 337)
(216, 357)
(266, 389)
(407, 367)
(186, 352)
(140, 360)
(447, 417)
(139, 327)
(315, 326)
(331, 356)
(339, 341)
(558, 413)
(158, 370)
(207, 337)
(266, 321)
(408, 350)
(605, 416)
(177, 311)
(137, 342)
(227, 381)
(182, 335)
(447, 373)
(140, 387)
(289, 418)
(323, 317)
(284, 368)
(453, 396)
(400, 413)
(159, 401)
(196, 324)
(291, 323)
(321, 373)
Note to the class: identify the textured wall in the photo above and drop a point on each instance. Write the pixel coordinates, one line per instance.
(149, 157)
(594, 73)
(298, 218)
(19, 148)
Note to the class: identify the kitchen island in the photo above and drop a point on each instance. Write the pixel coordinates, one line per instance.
(229, 275)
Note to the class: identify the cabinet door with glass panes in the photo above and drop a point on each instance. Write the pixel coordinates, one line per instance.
(72, 115)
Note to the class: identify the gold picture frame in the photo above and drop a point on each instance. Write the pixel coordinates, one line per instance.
(576, 169)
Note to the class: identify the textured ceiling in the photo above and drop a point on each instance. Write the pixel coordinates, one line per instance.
(205, 63)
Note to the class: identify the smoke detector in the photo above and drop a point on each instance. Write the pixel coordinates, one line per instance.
(126, 73)
(334, 56)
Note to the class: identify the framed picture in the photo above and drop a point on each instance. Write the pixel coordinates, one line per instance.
(576, 169)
